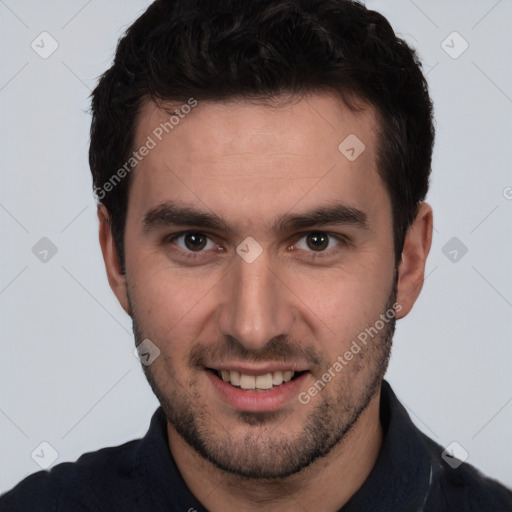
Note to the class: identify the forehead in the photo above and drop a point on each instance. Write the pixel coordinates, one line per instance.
(250, 160)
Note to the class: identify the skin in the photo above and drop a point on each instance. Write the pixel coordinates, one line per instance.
(250, 163)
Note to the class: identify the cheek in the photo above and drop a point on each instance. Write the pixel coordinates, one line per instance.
(344, 303)
(170, 307)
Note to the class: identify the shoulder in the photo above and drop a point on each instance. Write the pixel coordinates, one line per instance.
(463, 487)
(76, 486)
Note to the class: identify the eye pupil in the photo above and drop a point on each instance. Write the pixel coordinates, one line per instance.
(318, 240)
(195, 241)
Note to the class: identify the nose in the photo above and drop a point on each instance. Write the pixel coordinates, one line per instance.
(255, 304)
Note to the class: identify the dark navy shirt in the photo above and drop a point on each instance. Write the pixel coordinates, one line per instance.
(409, 476)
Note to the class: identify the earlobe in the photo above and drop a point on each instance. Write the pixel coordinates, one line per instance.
(115, 275)
(411, 271)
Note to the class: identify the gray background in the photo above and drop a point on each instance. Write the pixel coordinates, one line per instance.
(68, 374)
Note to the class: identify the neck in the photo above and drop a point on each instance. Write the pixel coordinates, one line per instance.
(348, 465)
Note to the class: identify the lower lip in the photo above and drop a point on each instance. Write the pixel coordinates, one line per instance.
(257, 401)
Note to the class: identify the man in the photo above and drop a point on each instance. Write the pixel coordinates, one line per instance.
(261, 169)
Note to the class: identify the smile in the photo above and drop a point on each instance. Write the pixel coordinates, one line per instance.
(257, 390)
(261, 382)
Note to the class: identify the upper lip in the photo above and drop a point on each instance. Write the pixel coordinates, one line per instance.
(260, 370)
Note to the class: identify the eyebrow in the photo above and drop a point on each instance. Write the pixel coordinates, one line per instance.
(172, 213)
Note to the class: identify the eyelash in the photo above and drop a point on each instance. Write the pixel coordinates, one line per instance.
(314, 255)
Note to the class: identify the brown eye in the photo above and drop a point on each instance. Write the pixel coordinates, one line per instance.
(317, 241)
(192, 241)
(195, 241)
(319, 244)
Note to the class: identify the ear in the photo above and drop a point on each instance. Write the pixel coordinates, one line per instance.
(116, 278)
(411, 270)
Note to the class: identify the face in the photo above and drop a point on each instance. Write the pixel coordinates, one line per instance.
(257, 254)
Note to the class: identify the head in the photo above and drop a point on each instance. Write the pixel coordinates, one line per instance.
(239, 230)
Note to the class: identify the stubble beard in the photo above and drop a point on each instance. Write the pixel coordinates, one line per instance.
(266, 451)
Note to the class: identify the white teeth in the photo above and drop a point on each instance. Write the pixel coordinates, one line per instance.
(277, 378)
(265, 381)
(234, 377)
(287, 376)
(247, 381)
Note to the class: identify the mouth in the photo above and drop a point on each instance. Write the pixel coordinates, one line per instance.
(263, 382)
(261, 390)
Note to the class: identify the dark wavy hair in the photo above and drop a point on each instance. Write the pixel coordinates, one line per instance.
(259, 49)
